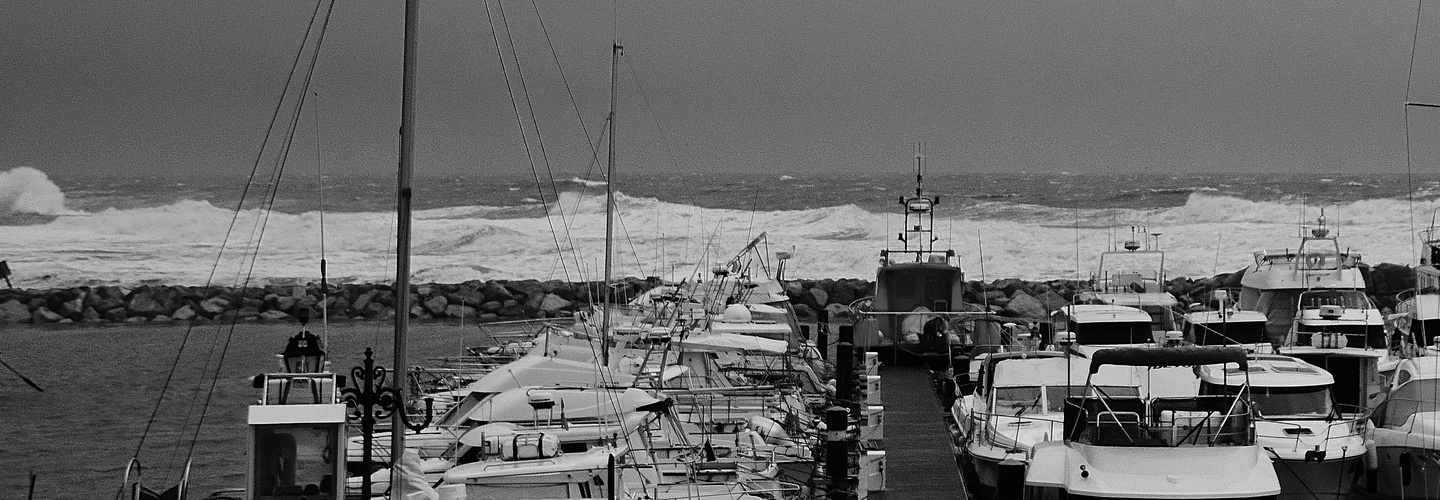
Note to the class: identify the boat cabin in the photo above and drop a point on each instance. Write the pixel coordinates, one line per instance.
(1104, 324)
(296, 438)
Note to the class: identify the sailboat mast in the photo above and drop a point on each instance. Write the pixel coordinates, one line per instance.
(402, 241)
(609, 209)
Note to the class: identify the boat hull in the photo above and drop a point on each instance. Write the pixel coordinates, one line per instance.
(1323, 480)
(1407, 472)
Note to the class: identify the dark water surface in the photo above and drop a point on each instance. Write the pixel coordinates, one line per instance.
(101, 386)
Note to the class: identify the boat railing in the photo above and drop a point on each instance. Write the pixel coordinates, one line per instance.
(1172, 422)
(297, 388)
(1347, 422)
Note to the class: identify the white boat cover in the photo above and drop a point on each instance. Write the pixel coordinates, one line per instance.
(718, 341)
(530, 371)
(413, 477)
(515, 405)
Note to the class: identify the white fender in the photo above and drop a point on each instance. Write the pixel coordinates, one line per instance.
(771, 430)
(1372, 455)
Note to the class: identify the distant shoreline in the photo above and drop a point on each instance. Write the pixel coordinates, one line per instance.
(500, 300)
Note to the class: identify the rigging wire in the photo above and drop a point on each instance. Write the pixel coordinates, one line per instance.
(590, 142)
(1409, 170)
(320, 186)
(225, 244)
(520, 122)
(268, 210)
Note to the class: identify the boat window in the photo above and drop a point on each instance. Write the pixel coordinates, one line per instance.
(1349, 299)
(1409, 399)
(1372, 336)
(1009, 400)
(1162, 318)
(294, 460)
(1055, 395)
(1227, 333)
(1125, 332)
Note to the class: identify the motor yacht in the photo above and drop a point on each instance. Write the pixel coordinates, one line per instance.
(1318, 446)
(1017, 402)
(1178, 447)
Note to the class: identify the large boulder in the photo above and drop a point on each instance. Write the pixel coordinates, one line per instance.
(1023, 305)
(496, 292)
(149, 302)
(184, 313)
(819, 298)
(437, 304)
(459, 311)
(553, 304)
(214, 305)
(45, 315)
(531, 290)
(843, 292)
(362, 301)
(12, 311)
(1052, 301)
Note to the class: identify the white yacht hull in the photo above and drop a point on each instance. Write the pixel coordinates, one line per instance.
(1005, 476)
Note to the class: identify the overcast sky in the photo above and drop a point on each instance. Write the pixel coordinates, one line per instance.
(795, 86)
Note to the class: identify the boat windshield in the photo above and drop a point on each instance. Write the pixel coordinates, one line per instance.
(1289, 401)
(1055, 396)
(1011, 400)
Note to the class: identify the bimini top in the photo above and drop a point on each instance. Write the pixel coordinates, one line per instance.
(1168, 356)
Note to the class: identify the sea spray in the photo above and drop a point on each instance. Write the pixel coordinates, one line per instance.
(28, 190)
(679, 227)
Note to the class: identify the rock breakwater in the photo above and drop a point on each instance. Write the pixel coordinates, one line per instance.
(484, 301)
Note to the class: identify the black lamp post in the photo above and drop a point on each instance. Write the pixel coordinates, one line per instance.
(370, 401)
(303, 353)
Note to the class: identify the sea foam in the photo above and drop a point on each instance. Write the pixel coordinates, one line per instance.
(181, 242)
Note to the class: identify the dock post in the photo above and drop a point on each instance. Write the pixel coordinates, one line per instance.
(837, 452)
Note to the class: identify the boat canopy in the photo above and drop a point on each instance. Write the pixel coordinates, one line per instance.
(1168, 356)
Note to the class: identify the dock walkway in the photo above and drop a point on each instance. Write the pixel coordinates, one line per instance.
(919, 463)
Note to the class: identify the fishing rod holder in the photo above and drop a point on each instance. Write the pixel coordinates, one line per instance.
(369, 400)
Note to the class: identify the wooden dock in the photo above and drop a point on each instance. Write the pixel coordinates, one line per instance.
(919, 463)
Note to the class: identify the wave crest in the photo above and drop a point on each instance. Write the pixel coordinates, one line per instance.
(27, 190)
